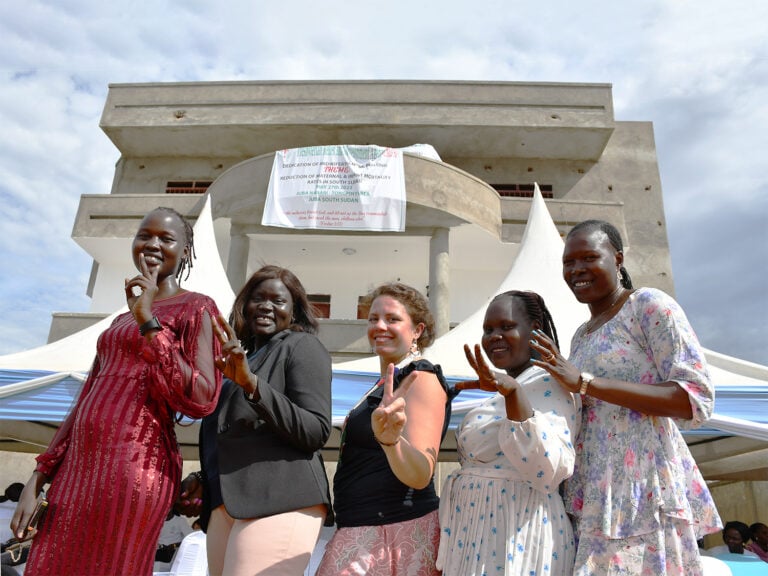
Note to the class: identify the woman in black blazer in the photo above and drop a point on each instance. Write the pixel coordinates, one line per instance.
(265, 492)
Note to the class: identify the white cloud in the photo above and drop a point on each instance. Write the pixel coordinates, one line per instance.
(698, 70)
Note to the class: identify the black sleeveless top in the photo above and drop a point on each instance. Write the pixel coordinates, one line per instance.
(366, 491)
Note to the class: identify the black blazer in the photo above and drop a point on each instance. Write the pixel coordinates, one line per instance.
(268, 451)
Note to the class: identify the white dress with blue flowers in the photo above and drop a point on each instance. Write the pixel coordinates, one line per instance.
(501, 512)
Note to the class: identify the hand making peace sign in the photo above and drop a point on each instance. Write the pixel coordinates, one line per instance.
(389, 418)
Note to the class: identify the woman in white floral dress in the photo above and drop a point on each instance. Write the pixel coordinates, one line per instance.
(637, 497)
(501, 512)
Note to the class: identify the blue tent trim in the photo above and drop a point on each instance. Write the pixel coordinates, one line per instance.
(51, 402)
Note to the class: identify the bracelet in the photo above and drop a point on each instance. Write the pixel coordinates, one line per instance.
(386, 443)
(153, 324)
(197, 474)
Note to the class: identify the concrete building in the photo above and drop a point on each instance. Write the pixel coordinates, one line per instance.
(465, 215)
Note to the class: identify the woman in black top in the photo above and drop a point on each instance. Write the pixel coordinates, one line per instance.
(266, 493)
(384, 495)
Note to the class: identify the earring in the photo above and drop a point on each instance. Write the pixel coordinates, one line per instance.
(414, 350)
(618, 275)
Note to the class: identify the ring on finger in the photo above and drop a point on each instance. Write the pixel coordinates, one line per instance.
(549, 357)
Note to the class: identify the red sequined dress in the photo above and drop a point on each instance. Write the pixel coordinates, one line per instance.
(114, 462)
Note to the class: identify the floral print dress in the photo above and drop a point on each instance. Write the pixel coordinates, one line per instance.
(636, 493)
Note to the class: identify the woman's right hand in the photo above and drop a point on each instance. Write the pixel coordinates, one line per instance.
(488, 380)
(140, 304)
(27, 504)
(233, 361)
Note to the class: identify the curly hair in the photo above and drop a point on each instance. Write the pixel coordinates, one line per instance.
(415, 304)
(614, 237)
(304, 314)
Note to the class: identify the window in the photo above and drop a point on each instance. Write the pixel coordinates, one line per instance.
(522, 190)
(363, 308)
(187, 187)
(321, 304)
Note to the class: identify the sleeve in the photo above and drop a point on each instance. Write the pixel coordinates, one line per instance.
(180, 361)
(677, 354)
(540, 449)
(302, 414)
(48, 462)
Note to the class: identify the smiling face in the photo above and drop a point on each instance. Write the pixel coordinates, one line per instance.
(268, 310)
(506, 333)
(590, 266)
(734, 541)
(162, 240)
(390, 329)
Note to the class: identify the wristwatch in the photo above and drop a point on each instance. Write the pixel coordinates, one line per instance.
(585, 379)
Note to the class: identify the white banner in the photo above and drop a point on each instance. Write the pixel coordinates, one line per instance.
(337, 188)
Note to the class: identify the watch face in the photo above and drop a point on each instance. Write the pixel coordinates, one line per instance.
(587, 377)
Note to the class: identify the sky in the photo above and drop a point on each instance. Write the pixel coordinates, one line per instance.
(697, 69)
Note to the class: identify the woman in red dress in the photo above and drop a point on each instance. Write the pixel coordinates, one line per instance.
(114, 464)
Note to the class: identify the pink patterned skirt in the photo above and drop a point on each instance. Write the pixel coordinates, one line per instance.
(404, 548)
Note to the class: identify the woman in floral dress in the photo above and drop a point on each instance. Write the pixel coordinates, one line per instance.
(637, 497)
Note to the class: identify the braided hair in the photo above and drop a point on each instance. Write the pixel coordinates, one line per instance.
(535, 309)
(614, 237)
(186, 261)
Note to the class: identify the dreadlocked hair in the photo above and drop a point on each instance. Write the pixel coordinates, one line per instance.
(614, 237)
(186, 261)
(535, 309)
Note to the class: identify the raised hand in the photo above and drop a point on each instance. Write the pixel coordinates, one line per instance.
(233, 361)
(553, 362)
(486, 378)
(388, 419)
(140, 291)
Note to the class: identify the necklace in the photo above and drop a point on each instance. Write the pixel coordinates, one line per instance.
(595, 323)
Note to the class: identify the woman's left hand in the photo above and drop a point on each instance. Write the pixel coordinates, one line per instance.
(233, 361)
(388, 419)
(553, 362)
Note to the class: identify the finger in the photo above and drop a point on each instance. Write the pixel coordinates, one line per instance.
(217, 322)
(470, 357)
(228, 330)
(389, 385)
(143, 268)
(542, 340)
(483, 370)
(153, 274)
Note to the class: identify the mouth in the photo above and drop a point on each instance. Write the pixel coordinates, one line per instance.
(581, 284)
(152, 259)
(263, 320)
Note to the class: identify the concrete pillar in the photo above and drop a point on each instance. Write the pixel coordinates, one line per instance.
(439, 279)
(237, 262)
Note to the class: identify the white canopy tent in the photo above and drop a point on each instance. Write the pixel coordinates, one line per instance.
(39, 384)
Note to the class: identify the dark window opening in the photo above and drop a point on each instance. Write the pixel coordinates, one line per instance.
(187, 187)
(321, 303)
(363, 307)
(522, 190)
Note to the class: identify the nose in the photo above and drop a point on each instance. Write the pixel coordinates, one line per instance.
(153, 242)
